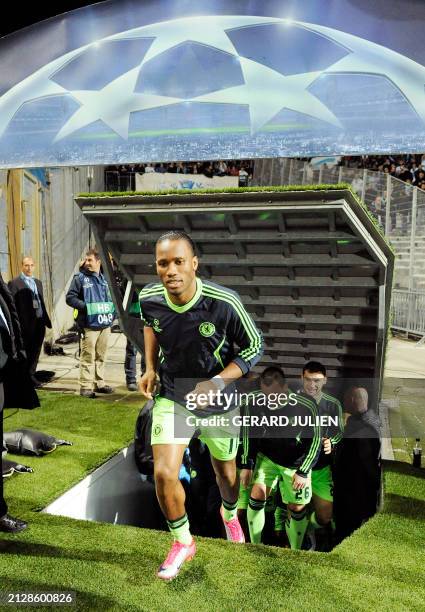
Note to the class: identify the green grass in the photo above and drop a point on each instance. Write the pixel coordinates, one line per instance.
(406, 415)
(113, 567)
(269, 188)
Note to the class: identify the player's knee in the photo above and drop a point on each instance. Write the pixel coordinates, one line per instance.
(225, 470)
(258, 492)
(164, 475)
(296, 507)
(324, 515)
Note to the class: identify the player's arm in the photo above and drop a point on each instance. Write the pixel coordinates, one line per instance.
(148, 381)
(338, 430)
(312, 433)
(243, 332)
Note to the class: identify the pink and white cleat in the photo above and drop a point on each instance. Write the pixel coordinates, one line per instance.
(178, 554)
(233, 529)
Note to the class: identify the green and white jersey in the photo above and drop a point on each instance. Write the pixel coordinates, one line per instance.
(331, 407)
(199, 339)
(289, 435)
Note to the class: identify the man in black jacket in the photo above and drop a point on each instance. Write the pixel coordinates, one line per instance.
(15, 383)
(27, 292)
(358, 468)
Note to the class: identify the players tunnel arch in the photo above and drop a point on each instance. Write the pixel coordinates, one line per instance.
(310, 266)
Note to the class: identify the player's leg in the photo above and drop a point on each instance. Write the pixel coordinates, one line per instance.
(243, 501)
(265, 473)
(168, 455)
(256, 513)
(171, 496)
(322, 487)
(297, 522)
(280, 518)
(223, 451)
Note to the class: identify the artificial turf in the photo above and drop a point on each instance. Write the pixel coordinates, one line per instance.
(112, 567)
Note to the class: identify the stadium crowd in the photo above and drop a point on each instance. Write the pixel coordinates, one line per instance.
(122, 177)
(408, 168)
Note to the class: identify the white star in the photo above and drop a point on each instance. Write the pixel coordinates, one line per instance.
(267, 92)
(370, 58)
(34, 87)
(113, 105)
(206, 30)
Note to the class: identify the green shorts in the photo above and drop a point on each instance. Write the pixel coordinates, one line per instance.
(322, 483)
(267, 473)
(222, 441)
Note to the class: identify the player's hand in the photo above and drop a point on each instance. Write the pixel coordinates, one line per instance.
(298, 482)
(203, 394)
(147, 384)
(245, 477)
(327, 446)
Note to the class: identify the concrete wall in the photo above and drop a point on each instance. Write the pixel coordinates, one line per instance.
(4, 243)
(65, 236)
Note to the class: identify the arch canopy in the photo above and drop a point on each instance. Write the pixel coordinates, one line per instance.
(162, 80)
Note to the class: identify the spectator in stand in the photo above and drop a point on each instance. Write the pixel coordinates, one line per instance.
(420, 178)
(243, 177)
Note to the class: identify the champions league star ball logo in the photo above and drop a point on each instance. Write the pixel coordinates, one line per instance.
(235, 79)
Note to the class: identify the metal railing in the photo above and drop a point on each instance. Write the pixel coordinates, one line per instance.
(398, 207)
(408, 311)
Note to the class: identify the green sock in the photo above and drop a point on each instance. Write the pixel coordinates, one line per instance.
(256, 517)
(180, 530)
(296, 527)
(230, 510)
(280, 516)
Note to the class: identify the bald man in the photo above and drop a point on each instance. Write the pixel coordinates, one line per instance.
(27, 293)
(358, 468)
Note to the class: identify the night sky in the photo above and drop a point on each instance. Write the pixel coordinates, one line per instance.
(18, 18)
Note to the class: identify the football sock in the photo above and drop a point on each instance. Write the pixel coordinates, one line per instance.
(230, 510)
(280, 516)
(180, 530)
(296, 527)
(256, 517)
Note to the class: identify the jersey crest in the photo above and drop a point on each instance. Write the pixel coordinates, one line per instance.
(207, 329)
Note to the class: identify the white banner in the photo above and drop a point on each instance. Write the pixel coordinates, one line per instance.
(157, 181)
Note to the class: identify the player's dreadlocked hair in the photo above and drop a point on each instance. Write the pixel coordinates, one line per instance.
(176, 235)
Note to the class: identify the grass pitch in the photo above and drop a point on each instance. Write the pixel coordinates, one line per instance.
(112, 567)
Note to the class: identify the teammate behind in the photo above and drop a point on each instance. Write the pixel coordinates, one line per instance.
(314, 379)
(191, 327)
(289, 456)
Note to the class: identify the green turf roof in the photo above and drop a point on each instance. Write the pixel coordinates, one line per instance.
(234, 190)
(275, 188)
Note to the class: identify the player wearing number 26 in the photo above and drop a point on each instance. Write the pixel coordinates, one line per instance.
(90, 297)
